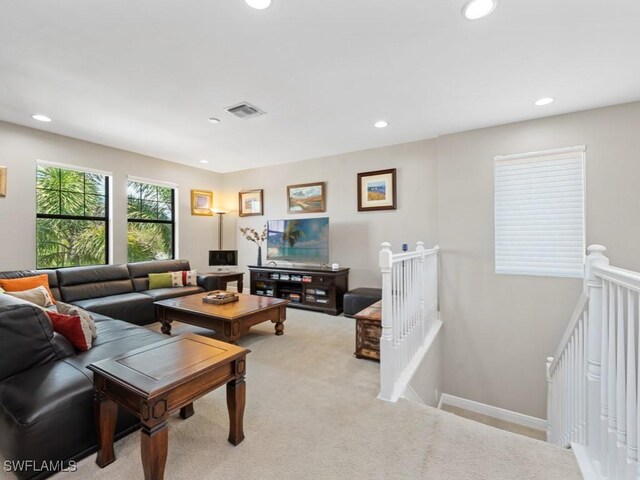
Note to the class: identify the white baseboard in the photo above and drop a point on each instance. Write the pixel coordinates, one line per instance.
(586, 468)
(495, 412)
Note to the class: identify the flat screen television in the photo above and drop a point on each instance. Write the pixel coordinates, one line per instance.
(220, 258)
(304, 240)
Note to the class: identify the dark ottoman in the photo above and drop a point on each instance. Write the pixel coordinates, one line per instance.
(359, 299)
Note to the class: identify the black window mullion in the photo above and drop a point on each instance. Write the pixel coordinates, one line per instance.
(59, 191)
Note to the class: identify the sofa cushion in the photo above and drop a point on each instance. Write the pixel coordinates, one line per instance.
(140, 271)
(26, 284)
(81, 283)
(26, 336)
(164, 293)
(55, 424)
(132, 307)
(160, 280)
(38, 296)
(74, 328)
(51, 275)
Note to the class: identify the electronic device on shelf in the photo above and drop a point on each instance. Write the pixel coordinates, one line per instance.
(223, 258)
(302, 241)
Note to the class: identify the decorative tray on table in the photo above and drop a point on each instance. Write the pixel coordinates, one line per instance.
(219, 297)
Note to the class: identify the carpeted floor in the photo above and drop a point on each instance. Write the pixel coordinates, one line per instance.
(312, 414)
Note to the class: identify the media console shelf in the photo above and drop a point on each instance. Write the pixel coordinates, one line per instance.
(310, 288)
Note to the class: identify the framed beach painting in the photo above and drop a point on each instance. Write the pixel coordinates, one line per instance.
(250, 203)
(377, 190)
(306, 198)
(201, 202)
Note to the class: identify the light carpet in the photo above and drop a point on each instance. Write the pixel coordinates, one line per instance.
(311, 413)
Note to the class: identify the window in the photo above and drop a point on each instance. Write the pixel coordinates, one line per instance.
(539, 213)
(151, 221)
(72, 221)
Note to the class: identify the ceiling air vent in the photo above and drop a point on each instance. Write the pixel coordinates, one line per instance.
(245, 110)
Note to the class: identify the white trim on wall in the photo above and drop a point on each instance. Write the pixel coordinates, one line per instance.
(68, 166)
(495, 412)
(150, 181)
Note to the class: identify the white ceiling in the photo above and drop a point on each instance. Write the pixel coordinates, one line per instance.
(144, 75)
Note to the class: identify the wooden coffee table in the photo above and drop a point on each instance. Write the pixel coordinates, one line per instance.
(156, 380)
(229, 321)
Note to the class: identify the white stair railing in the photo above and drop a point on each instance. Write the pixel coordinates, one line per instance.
(593, 379)
(409, 312)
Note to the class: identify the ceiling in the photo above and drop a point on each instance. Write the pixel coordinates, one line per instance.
(145, 75)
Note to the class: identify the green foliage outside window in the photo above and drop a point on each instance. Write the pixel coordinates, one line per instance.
(150, 222)
(71, 223)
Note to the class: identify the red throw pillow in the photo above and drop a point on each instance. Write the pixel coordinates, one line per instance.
(189, 277)
(74, 328)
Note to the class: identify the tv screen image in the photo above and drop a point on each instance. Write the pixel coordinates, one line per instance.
(304, 240)
(221, 258)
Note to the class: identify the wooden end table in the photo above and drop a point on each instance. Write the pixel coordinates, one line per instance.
(230, 321)
(368, 331)
(227, 277)
(155, 381)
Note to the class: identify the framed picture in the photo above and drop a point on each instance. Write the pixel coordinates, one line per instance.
(377, 190)
(306, 198)
(250, 203)
(3, 181)
(201, 202)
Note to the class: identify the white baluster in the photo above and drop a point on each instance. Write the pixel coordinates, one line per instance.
(621, 409)
(632, 439)
(611, 384)
(550, 411)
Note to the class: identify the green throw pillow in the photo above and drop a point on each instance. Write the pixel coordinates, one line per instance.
(159, 280)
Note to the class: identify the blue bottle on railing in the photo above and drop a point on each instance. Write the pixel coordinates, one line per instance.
(405, 247)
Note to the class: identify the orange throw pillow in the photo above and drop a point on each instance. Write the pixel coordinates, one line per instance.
(26, 283)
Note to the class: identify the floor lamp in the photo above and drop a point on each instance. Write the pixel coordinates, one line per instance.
(220, 213)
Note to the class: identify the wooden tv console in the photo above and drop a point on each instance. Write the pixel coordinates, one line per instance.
(319, 289)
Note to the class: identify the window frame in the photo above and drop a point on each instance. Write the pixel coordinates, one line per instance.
(107, 207)
(174, 213)
(545, 155)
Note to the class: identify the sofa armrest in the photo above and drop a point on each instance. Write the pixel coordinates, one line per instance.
(208, 281)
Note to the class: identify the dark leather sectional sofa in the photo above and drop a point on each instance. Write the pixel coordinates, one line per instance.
(46, 412)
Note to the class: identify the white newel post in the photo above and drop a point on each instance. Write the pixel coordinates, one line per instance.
(593, 286)
(386, 339)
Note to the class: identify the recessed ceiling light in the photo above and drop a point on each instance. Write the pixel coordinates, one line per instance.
(380, 124)
(204, 161)
(476, 9)
(214, 120)
(543, 101)
(40, 117)
(259, 4)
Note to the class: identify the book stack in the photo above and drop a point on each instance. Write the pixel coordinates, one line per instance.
(218, 297)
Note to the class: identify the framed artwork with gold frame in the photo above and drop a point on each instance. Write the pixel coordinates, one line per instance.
(201, 203)
(3, 181)
(250, 203)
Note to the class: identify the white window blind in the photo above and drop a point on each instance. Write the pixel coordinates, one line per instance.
(539, 213)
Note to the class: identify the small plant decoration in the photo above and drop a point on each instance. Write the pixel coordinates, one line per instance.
(258, 238)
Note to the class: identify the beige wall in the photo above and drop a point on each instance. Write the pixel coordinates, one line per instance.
(355, 237)
(20, 147)
(499, 328)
